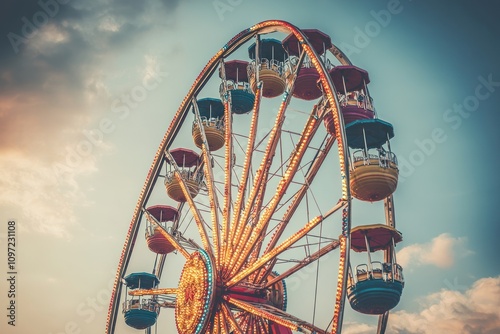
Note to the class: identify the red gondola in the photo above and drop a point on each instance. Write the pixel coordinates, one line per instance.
(157, 217)
(306, 83)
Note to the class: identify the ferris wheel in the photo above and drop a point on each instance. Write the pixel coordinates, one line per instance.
(247, 189)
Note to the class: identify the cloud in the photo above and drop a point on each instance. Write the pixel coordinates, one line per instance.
(476, 310)
(441, 252)
(42, 199)
(355, 328)
(54, 88)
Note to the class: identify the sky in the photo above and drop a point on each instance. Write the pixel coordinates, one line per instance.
(76, 145)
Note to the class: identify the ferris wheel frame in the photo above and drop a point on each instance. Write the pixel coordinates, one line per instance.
(330, 95)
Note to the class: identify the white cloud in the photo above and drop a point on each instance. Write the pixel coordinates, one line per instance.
(39, 196)
(476, 310)
(47, 40)
(355, 328)
(442, 251)
(53, 34)
(108, 23)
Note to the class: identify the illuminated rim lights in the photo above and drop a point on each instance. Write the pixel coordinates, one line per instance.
(195, 294)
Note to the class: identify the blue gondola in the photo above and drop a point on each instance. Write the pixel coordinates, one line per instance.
(375, 296)
(140, 312)
(375, 287)
(236, 86)
(376, 132)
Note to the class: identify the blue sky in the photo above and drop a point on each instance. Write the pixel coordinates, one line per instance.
(66, 79)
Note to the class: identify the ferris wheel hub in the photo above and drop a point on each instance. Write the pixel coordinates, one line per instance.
(195, 294)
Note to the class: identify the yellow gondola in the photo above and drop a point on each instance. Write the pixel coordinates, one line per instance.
(211, 113)
(374, 171)
(267, 67)
(187, 163)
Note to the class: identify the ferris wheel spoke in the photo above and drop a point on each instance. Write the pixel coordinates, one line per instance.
(262, 261)
(260, 312)
(222, 323)
(298, 197)
(256, 324)
(161, 263)
(243, 319)
(163, 257)
(153, 292)
(254, 245)
(229, 317)
(209, 180)
(214, 325)
(228, 166)
(258, 187)
(263, 313)
(200, 223)
(225, 327)
(295, 70)
(334, 244)
(250, 321)
(293, 165)
(236, 224)
(259, 325)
